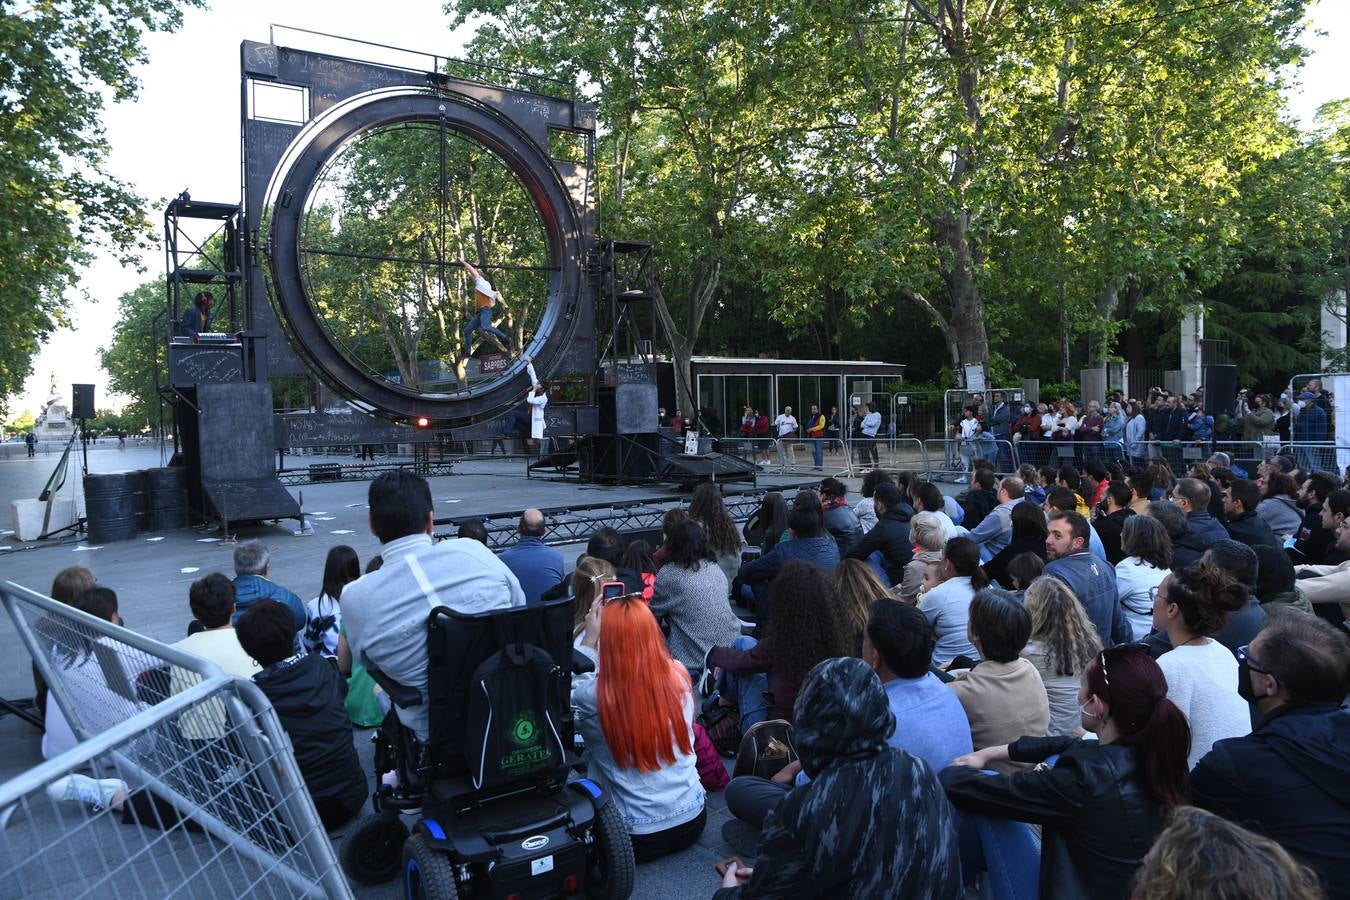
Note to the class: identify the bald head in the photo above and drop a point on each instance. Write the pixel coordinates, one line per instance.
(531, 524)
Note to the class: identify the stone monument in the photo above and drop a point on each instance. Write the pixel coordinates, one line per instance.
(53, 423)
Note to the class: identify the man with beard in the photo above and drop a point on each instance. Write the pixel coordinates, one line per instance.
(1315, 538)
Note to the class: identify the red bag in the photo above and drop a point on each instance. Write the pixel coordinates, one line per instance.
(712, 772)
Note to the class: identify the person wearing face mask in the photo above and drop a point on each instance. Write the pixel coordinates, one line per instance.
(1287, 778)
(1101, 804)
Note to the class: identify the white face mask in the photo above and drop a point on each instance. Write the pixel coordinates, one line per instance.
(1026, 410)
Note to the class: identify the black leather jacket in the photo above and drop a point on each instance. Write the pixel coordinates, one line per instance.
(1098, 818)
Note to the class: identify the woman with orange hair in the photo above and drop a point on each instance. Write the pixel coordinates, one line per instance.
(635, 712)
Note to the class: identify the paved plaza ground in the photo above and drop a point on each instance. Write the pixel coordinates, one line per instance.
(151, 575)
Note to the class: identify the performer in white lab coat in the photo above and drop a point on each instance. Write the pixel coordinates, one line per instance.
(538, 400)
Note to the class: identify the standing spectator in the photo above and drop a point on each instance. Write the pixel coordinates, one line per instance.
(1201, 857)
(1111, 522)
(1148, 559)
(815, 433)
(833, 429)
(1003, 695)
(1113, 428)
(1063, 643)
(537, 566)
(1201, 673)
(1310, 428)
(1136, 433)
(1092, 581)
(307, 693)
(1259, 421)
(691, 594)
(869, 426)
(252, 562)
(947, 606)
(891, 534)
(763, 677)
(786, 425)
(1287, 778)
(809, 542)
(871, 822)
(1279, 506)
(762, 428)
(1028, 536)
(929, 538)
(30, 441)
(1102, 804)
(708, 509)
(965, 430)
(678, 422)
(323, 615)
(635, 712)
(840, 520)
(1241, 501)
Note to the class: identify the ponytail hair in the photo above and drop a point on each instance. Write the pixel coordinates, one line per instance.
(964, 555)
(1134, 689)
(1206, 596)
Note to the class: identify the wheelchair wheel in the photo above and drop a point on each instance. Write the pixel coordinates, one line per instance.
(370, 852)
(427, 872)
(609, 866)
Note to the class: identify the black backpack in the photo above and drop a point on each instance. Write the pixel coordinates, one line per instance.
(511, 731)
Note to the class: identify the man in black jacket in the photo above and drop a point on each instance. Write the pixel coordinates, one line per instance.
(307, 693)
(890, 535)
(1315, 542)
(1287, 779)
(1192, 495)
(1110, 526)
(980, 499)
(1244, 525)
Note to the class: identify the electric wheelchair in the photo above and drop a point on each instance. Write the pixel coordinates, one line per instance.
(498, 814)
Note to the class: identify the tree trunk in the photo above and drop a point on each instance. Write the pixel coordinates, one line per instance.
(972, 341)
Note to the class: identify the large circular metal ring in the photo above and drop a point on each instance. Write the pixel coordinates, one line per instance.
(308, 158)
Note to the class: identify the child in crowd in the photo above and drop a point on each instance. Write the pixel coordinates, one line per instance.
(323, 616)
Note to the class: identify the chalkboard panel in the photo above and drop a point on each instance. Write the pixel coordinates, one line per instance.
(635, 373)
(326, 430)
(235, 431)
(191, 364)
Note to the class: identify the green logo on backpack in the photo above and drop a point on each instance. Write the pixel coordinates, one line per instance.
(530, 752)
(523, 732)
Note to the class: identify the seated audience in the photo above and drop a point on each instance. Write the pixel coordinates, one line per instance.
(637, 557)
(1199, 856)
(809, 543)
(1061, 499)
(212, 601)
(68, 584)
(947, 606)
(1201, 673)
(872, 821)
(1287, 779)
(1003, 695)
(1105, 800)
(1276, 585)
(1092, 581)
(1141, 492)
(840, 520)
(924, 496)
(980, 499)
(865, 510)
(323, 615)
(307, 692)
(252, 563)
(690, 593)
(1184, 550)
(707, 508)
(929, 537)
(766, 526)
(474, 530)
(890, 535)
(1240, 502)
(995, 530)
(856, 588)
(762, 677)
(588, 577)
(1148, 559)
(1329, 586)
(1111, 523)
(635, 713)
(1202, 529)
(1314, 542)
(1028, 536)
(385, 611)
(1062, 644)
(1279, 505)
(363, 705)
(537, 566)
(1023, 570)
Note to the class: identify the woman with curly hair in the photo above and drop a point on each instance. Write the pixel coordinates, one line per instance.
(707, 509)
(1200, 856)
(1063, 642)
(763, 677)
(1202, 674)
(856, 587)
(636, 712)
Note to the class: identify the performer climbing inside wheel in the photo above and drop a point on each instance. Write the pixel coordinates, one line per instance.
(485, 299)
(538, 399)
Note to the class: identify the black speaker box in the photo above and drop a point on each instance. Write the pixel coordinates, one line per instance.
(1220, 389)
(82, 401)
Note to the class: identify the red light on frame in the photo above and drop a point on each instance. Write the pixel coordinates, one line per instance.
(423, 421)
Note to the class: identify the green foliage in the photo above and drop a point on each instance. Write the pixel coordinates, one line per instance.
(57, 202)
(134, 356)
(21, 423)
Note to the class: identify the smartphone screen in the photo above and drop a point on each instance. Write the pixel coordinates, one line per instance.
(612, 590)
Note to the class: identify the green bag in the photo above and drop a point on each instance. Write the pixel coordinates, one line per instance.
(362, 707)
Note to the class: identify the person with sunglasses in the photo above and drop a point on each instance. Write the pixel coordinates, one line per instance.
(1287, 779)
(1102, 802)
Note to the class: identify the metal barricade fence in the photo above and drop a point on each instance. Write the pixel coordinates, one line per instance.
(1319, 457)
(1067, 453)
(796, 456)
(210, 801)
(952, 460)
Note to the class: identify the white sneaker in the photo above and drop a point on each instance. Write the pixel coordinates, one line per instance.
(98, 793)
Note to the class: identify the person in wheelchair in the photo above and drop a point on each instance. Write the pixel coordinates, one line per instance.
(385, 612)
(635, 711)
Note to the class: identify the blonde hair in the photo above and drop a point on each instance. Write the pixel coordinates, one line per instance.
(590, 573)
(1060, 623)
(927, 531)
(1200, 856)
(857, 586)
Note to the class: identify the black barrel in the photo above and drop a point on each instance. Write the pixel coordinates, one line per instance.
(167, 494)
(110, 507)
(140, 498)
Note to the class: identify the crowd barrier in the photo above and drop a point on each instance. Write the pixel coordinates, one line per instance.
(215, 805)
(1067, 453)
(950, 458)
(1319, 456)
